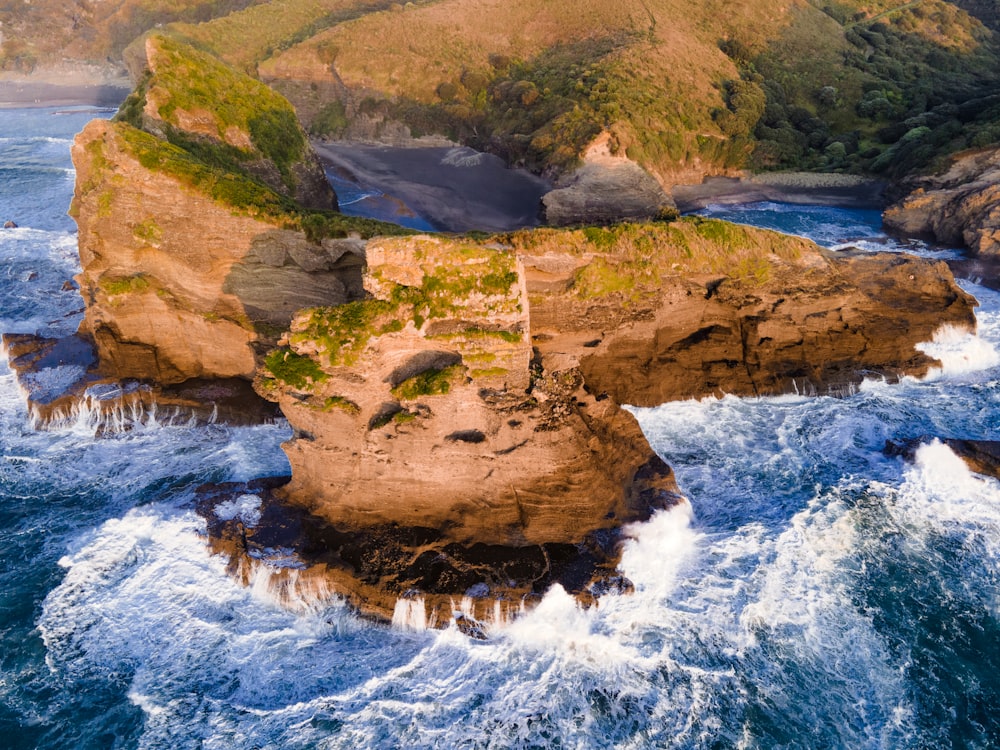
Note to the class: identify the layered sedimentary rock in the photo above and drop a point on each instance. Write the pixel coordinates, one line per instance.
(177, 284)
(423, 406)
(471, 405)
(960, 206)
(195, 242)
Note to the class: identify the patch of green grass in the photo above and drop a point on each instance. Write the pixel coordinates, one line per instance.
(148, 231)
(432, 382)
(330, 121)
(489, 372)
(405, 416)
(293, 369)
(240, 191)
(114, 285)
(339, 403)
(341, 332)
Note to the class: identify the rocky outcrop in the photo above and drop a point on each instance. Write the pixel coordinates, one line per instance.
(959, 207)
(178, 284)
(471, 405)
(191, 98)
(424, 407)
(606, 187)
(816, 326)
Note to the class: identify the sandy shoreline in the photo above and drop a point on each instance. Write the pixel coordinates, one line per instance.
(454, 188)
(808, 188)
(26, 94)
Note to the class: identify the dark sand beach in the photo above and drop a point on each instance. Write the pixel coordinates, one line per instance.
(455, 188)
(20, 94)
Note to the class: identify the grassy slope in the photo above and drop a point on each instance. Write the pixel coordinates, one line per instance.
(47, 31)
(883, 86)
(245, 38)
(186, 80)
(801, 85)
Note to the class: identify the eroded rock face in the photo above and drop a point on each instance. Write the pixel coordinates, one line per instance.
(819, 326)
(473, 402)
(960, 206)
(423, 407)
(605, 188)
(178, 285)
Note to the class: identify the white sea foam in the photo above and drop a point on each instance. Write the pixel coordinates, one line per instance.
(245, 507)
(960, 352)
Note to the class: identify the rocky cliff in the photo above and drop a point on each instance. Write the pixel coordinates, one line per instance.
(474, 398)
(178, 285)
(424, 406)
(959, 207)
(199, 232)
(456, 402)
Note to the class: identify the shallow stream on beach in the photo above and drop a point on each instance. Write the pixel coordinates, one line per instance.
(814, 593)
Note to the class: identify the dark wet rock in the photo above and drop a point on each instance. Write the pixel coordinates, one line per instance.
(9, 225)
(62, 384)
(981, 456)
(376, 568)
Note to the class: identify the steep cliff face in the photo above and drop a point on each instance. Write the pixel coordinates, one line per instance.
(423, 407)
(178, 284)
(661, 318)
(960, 206)
(473, 401)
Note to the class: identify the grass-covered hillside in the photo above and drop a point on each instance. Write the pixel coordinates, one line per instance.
(866, 86)
(44, 32)
(883, 86)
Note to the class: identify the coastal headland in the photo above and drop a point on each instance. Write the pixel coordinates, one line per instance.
(456, 401)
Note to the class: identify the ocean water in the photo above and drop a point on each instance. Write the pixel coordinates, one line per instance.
(813, 593)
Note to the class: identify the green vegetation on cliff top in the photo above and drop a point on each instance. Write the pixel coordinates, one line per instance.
(459, 280)
(188, 84)
(631, 260)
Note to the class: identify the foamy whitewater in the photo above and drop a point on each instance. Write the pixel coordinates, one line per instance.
(814, 593)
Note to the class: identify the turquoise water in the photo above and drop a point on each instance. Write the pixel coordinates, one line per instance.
(813, 594)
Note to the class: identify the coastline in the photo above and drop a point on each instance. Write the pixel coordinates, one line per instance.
(39, 94)
(806, 188)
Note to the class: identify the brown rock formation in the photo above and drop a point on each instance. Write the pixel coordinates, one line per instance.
(419, 408)
(605, 188)
(411, 575)
(960, 206)
(424, 419)
(818, 326)
(178, 285)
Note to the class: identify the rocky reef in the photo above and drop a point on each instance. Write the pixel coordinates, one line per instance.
(959, 206)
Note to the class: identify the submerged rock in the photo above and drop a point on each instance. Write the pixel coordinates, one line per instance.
(981, 456)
